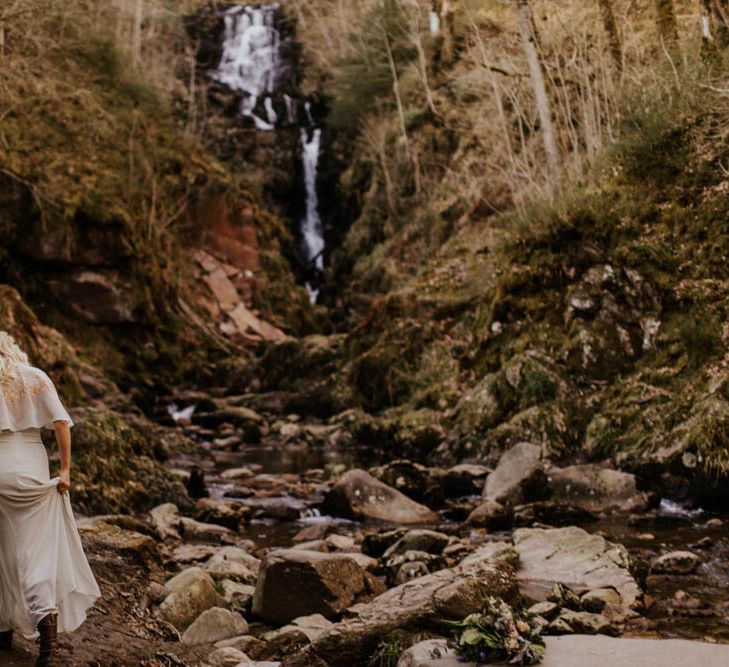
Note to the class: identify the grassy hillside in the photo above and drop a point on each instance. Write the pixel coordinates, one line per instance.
(494, 305)
(103, 171)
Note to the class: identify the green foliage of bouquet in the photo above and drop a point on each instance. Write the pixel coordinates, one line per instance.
(499, 633)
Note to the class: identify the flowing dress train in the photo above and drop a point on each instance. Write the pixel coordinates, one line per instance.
(42, 564)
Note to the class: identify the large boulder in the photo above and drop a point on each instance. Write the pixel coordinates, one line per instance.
(103, 535)
(518, 477)
(358, 495)
(572, 651)
(573, 557)
(596, 488)
(213, 625)
(294, 582)
(448, 594)
(187, 595)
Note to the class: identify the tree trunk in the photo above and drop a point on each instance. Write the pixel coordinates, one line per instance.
(529, 42)
(666, 20)
(611, 29)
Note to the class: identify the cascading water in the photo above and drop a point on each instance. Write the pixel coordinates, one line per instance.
(252, 64)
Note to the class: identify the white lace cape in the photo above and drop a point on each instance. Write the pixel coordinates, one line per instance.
(30, 401)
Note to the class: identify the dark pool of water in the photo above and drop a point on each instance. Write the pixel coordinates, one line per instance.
(709, 584)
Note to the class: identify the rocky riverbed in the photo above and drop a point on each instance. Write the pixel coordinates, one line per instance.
(297, 546)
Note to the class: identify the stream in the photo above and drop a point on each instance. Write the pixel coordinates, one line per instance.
(284, 479)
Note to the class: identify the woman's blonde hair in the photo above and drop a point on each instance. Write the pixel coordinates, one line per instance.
(10, 356)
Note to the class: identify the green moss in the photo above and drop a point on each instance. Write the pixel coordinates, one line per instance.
(118, 465)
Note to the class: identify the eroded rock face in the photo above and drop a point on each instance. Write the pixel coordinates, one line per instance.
(573, 557)
(187, 595)
(358, 495)
(294, 582)
(597, 489)
(99, 298)
(518, 477)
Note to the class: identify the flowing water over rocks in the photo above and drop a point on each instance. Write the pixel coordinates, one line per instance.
(257, 63)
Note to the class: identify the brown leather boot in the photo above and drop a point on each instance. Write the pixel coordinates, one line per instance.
(48, 654)
(6, 640)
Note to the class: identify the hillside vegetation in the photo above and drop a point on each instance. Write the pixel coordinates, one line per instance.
(106, 186)
(495, 301)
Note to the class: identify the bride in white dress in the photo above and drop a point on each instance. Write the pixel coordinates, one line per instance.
(46, 584)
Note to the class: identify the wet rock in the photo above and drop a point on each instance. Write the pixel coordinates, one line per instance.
(411, 564)
(601, 598)
(245, 643)
(676, 562)
(166, 521)
(314, 625)
(193, 553)
(489, 514)
(247, 421)
(238, 597)
(704, 543)
(585, 623)
(684, 604)
(518, 477)
(340, 542)
(227, 657)
(564, 596)
(225, 513)
(299, 583)
(546, 609)
(195, 531)
(237, 473)
(429, 541)
(575, 558)
(431, 653)
(413, 479)
(465, 479)
(366, 562)
(375, 544)
(187, 595)
(313, 545)
(359, 495)
(282, 508)
(443, 595)
(595, 488)
(213, 625)
(410, 570)
(552, 513)
(316, 531)
(282, 642)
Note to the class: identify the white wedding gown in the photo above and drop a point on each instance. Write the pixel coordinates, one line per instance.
(42, 564)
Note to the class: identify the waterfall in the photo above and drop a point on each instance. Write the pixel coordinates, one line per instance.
(434, 22)
(312, 233)
(252, 64)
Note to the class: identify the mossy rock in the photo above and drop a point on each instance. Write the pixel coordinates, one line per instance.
(117, 465)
